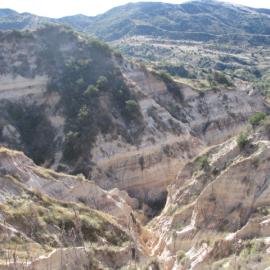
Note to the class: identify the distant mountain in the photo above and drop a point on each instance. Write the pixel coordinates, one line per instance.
(80, 22)
(196, 20)
(7, 12)
(10, 19)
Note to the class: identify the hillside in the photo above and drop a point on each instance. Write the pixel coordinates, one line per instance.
(71, 103)
(200, 43)
(148, 150)
(195, 20)
(60, 216)
(217, 211)
(231, 179)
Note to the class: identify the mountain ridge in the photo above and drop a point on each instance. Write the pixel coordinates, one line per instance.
(156, 19)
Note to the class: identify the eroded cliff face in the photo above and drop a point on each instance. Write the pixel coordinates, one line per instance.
(216, 214)
(18, 170)
(141, 154)
(174, 132)
(217, 211)
(54, 220)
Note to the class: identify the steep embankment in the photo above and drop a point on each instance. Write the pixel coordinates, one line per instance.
(71, 103)
(44, 212)
(217, 212)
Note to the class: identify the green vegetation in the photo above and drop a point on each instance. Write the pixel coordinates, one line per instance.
(86, 116)
(202, 162)
(171, 21)
(242, 140)
(219, 78)
(91, 87)
(180, 255)
(35, 130)
(251, 247)
(171, 84)
(177, 70)
(264, 211)
(53, 223)
(264, 84)
(94, 97)
(256, 119)
(102, 83)
(132, 108)
(91, 91)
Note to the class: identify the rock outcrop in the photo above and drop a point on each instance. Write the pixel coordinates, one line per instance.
(142, 154)
(54, 220)
(15, 165)
(217, 211)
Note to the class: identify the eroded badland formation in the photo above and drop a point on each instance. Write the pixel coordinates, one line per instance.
(149, 151)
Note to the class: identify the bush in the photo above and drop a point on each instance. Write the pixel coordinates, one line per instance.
(83, 114)
(242, 140)
(171, 85)
(263, 211)
(132, 110)
(35, 130)
(131, 106)
(256, 119)
(178, 70)
(219, 77)
(91, 91)
(180, 255)
(102, 83)
(203, 162)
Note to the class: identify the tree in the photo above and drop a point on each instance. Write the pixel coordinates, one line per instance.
(242, 140)
(91, 91)
(83, 114)
(256, 118)
(132, 109)
(102, 83)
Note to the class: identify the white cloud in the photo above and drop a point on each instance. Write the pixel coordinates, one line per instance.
(59, 8)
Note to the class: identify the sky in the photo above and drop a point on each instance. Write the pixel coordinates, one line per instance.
(60, 8)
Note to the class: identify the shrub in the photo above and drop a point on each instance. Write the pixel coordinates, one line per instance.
(165, 76)
(180, 255)
(132, 109)
(178, 70)
(219, 77)
(91, 91)
(102, 46)
(84, 114)
(242, 140)
(131, 106)
(80, 82)
(35, 130)
(256, 119)
(263, 211)
(171, 85)
(102, 83)
(203, 162)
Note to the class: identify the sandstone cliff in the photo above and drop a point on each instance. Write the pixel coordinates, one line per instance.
(48, 219)
(133, 133)
(217, 211)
